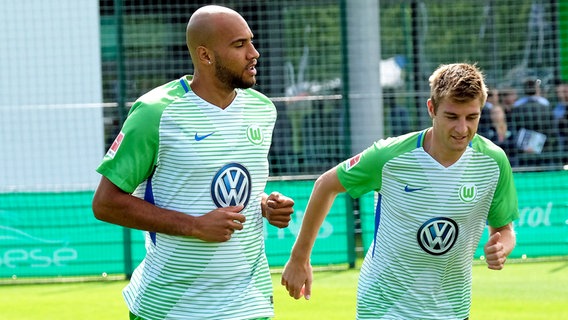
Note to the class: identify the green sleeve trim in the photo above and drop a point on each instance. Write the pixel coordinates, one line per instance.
(363, 172)
(504, 207)
(135, 159)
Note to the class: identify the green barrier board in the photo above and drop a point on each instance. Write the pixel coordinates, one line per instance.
(334, 243)
(55, 234)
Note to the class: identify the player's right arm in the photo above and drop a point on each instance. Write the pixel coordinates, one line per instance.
(113, 205)
(297, 275)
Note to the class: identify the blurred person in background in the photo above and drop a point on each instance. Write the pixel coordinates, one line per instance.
(532, 92)
(493, 125)
(190, 167)
(560, 113)
(437, 190)
(485, 122)
(507, 98)
(397, 115)
(500, 134)
(534, 127)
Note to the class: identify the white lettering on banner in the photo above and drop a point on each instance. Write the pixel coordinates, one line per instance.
(535, 217)
(37, 258)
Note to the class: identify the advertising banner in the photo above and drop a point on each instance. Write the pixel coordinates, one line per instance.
(55, 234)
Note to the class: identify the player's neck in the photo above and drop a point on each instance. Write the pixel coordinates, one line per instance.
(438, 152)
(221, 97)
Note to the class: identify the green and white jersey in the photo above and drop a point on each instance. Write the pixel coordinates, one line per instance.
(202, 157)
(429, 220)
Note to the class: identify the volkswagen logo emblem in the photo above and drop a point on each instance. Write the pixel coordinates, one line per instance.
(436, 236)
(231, 186)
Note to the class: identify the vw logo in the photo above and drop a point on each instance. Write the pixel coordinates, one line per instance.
(436, 236)
(231, 186)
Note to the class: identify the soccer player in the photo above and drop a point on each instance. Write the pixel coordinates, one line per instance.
(190, 167)
(437, 189)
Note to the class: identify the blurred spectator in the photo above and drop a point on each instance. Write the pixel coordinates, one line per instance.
(500, 133)
(493, 97)
(493, 125)
(532, 92)
(398, 116)
(485, 126)
(560, 113)
(534, 128)
(507, 97)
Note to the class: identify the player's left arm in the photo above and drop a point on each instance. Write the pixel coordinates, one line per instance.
(277, 209)
(501, 242)
(503, 211)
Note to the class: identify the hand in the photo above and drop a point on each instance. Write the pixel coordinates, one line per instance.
(494, 252)
(297, 278)
(218, 225)
(278, 209)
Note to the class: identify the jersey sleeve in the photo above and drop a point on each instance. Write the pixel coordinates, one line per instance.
(364, 172)
(131, 158)
(361, 173)
(504, 207)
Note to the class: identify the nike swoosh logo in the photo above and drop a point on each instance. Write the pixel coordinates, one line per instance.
(408, 189)
(199, 138)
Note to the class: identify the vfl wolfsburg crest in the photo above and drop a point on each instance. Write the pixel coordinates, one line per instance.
(468, 192)
(254, 134)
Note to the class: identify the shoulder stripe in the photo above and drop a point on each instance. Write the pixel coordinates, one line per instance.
(184, 85)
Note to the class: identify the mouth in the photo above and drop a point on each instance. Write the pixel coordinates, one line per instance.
(252, 69)
(459, 138)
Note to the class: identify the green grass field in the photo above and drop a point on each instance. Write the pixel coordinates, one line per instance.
(521, 291)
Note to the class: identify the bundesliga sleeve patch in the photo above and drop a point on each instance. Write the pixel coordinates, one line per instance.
(115, 145)
(352, 162)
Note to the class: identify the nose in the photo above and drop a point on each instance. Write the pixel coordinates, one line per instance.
(254, 54)
(461, 126)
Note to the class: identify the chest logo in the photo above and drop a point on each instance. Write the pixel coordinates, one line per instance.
(255, 135)
(437, 235)
(201, 137)
(231, 186)
(468, 192)
(409, 189)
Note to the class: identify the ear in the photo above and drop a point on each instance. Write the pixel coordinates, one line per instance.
(431, 111)
(203, 55)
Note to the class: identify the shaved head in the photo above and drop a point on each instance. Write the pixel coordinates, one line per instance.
(206, 24)
(224, 58)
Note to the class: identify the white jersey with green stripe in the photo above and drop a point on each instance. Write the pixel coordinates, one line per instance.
(199, 158)
(429, 220)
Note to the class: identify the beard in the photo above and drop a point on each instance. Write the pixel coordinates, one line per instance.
(231, 78)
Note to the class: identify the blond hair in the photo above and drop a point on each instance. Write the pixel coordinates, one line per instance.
(458, 82)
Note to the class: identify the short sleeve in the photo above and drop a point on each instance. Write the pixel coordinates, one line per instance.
(504, 208)
(133, 155)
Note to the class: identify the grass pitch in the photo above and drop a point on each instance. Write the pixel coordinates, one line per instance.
(521, 291)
